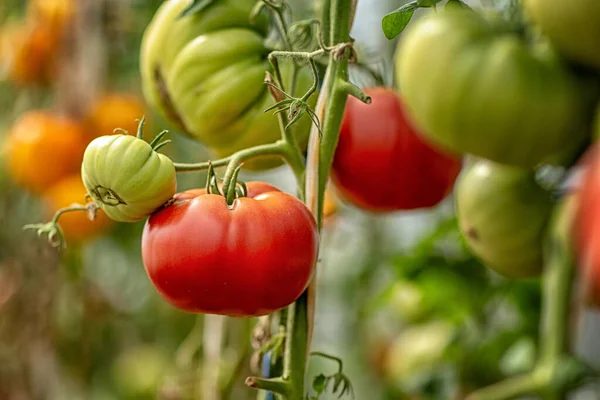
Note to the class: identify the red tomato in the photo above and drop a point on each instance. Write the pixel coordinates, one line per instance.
(587, 221)
(381, 164)
(250, 259)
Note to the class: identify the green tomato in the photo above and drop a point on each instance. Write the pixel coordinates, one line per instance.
(139, 371)
(417, 354)
(473, 86)
(126, 177)
(205, 73)
(573, 26)
(502, 214)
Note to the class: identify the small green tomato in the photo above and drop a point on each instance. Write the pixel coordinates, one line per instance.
(126, 177)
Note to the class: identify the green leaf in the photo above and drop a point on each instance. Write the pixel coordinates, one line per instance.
(394, 23)
(319, 383)
(196, 7)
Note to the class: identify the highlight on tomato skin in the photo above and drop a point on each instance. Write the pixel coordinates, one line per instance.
(382, 164)
(248, 259)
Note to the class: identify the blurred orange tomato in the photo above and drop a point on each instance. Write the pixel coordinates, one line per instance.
(41, 148)
(115, 110)
(76, 226)
(330, 204)
(28, 52)
(57, 13)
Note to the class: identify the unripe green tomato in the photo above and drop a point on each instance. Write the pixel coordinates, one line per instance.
(573, 26)
(473, 86)
(139, 372)
(417, 352)
(502, 213)
(205, 73)
(126, 177)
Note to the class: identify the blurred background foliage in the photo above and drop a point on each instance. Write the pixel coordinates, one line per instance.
(410, 312)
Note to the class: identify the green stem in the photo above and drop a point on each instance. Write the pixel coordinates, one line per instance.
(74, 207)
(294, 367)
(301, 313)
(184, 167)
(275, 385)
(279, 148)
(508, 389)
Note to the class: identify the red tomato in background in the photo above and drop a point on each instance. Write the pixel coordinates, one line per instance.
(250, 259)
(381, 164)
(587, 220)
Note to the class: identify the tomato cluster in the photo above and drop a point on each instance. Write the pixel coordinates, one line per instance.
(473, 84)
(29, 48)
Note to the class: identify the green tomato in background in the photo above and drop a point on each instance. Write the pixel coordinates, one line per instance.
(474, 86)
(140, 371)
(502, 213)
(417, 354)
(573, 26)
(205, 73)
(126, 177)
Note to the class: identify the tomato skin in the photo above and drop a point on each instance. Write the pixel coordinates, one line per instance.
(41, 148)
(205, 73)
(76, 226)
(475, 87)
(248, 260)
(586, 225)
(503, 214)
(573, 26)
(126, 177)
(381, 164)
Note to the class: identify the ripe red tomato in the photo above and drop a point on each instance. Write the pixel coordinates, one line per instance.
(250, 259)
(587, 221)
(381, 164)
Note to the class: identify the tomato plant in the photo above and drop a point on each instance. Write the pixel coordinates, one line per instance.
(41, 148)
(381, 163)
(126, 177)
(573, 26)
(503, 213)
(469, 84)
(205, 72)
(76, 227)
(251, 258)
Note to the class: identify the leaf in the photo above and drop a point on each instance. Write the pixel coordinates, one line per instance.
(319, 383)
(394, 23)
(196, 7)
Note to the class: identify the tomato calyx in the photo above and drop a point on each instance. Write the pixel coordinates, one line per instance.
(235, 189)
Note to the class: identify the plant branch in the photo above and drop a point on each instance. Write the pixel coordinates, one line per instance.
(275, 385)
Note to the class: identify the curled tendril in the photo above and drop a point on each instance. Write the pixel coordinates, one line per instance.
(52, 230)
